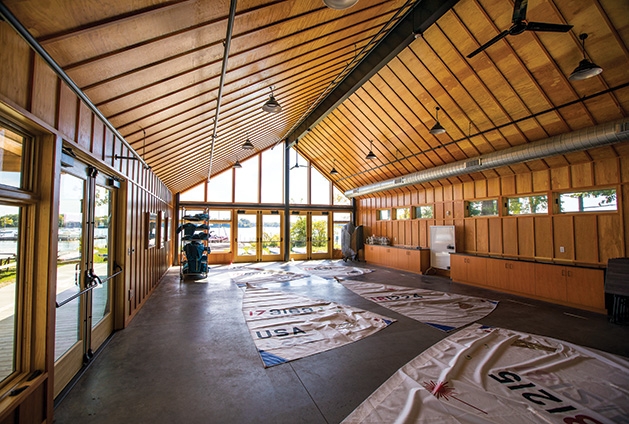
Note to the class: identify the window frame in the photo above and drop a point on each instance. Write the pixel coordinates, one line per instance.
(506, 211)
(493, 199)
(432, 209)
(379, 214)
(557, 201)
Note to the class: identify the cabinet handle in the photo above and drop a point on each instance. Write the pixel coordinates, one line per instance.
(563, 273)
(569, 273)
(506, 266)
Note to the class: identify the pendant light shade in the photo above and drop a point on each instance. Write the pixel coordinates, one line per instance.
(437, 128)
(586, 69)
(272, 106)
(237, 164)
(333, 171)
(370, 155)
(248, 145)
(339, 4)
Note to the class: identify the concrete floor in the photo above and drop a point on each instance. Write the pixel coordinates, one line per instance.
(187, 357)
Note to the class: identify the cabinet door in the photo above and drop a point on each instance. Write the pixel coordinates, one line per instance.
(477, 270)
(550, 282)
(370, 254)
(497, 273)
(585, 287)
(458, 268)
(521, 277)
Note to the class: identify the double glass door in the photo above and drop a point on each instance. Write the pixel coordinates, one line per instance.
(84, 316)
(259, 236)
(309, 235)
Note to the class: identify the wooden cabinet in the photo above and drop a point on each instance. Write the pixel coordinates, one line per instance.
(567, 285)
(471, 269)
(414, 260)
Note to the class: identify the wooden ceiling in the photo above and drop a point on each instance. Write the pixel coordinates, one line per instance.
(154, 68)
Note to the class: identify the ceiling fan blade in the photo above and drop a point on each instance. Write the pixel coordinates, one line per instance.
(542, 26)
(519, 10)
(494, 40)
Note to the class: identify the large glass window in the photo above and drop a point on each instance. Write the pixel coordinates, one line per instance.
(338, 198)
(527, 205)
(9, 238)
(194, 194)
(247, 179)
(425, 211)
(273, 175)
(340, 219)
(588, 201)
(298, 192)
(319, 188)
(383, 214)
(219, 189)
(403, 213)
(11, 145)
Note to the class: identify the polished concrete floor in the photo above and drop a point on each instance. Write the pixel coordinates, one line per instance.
(187, 357)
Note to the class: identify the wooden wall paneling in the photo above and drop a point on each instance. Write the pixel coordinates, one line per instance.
(447, 193)
(495, 235)
(543, 237)
(606, 171)
(510, 236)
(611, 235)
(84, 127)
(585, 238)
(468, 190)
(480, 188)
(67, 110)
(541, 181)
(563, 237)
(457, 191)
(524, 183)
(408, 233)
(438, 191)
(448, 210)
(470, 235)
(493, 187)
(526, 236)
(459, 235)
(439, 213)
(16, 59)
(108, 147)
(560, 178)
(582, 175)
(430, 195)
(424, 235)
(459, 209)
(395, 232)
(421, 197)
(44, 93)
(98, 139)
(624, 201)
(624, 169)
(482, 235)
(415, 239)
(507, 185)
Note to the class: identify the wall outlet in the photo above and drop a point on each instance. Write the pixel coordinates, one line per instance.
(562, 249)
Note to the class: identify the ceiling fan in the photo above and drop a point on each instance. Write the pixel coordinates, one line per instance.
(520, 24)
(297, 161)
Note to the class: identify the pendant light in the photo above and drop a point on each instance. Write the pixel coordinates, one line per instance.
(437, 128)
(237, 164)
(333, 171)
(586, 69)
(339, 4)
(272, 106)
(248, 145)
(370, 155)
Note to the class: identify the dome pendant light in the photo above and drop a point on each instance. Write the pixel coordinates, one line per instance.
(586, 69)
(339, 4)
(333, 171)
(370, 155)
(437, 128)
(248, 145)
(272, 106)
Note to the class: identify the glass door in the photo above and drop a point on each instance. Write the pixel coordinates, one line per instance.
(246, 236)
(271, 247)
(319, 235)
(84, 251)
(298, 236)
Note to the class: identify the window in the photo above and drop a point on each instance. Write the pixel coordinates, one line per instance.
(273, 175)
(340, 219)
(247, 181)
(298, 190)
(11, 147)
(424, 212)
(527, 205)
(403, 213)
(483, 207)
(588, 201)
(383, 214)
(339, 198)
(219, 189)
(194, 194)
(9, 270)
(319, 188)
(219, 239)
